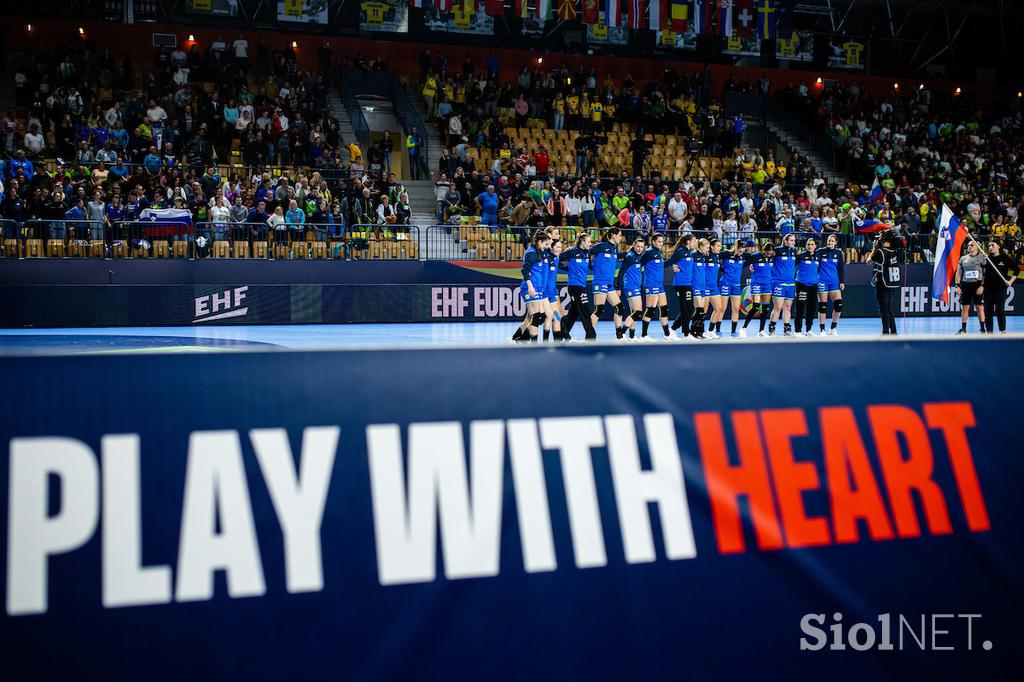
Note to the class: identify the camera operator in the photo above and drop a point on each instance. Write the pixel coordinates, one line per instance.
(885, 260)
(640, 148)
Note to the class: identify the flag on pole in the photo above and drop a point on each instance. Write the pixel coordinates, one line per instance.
(679, 16)
(657, 15)
(725, 18)
(521, 9)
(612, 13)
(494, 8)
(543, 9)
(443, 5)
(877, 193)
(635, 14)
(567, 10)
(744, 18)
(418, 3)
(948, 245)
(590, 11)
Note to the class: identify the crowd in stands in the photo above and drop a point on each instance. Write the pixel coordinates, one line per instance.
(235, 132)
(231, 132)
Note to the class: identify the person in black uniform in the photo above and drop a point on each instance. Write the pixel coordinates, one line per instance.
(999, 277)
(885, 260)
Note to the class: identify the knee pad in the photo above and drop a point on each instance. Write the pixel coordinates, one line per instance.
(650, 311)
(838, 305)
(822, 307)
(538, 319)
(663, 310)
(598, 309)
(620, 309)
(637, 315)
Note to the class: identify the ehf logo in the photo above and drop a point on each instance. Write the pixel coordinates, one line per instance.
(221, 306)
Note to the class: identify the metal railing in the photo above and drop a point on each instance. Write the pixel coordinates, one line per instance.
(481, 242)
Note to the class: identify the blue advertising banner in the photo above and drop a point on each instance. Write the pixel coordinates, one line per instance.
(602, 512)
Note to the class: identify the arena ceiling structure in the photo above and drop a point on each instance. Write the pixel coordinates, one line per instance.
(955, 39)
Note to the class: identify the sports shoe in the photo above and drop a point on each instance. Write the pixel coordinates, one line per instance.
(833, 332)
(735, 335)
(742, 333)
(708, 335)
(789, 333)
(673, 336)
(763, 334)
(960, 331)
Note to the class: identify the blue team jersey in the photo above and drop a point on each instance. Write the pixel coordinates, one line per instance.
(784, 265)
(786, 227)
(732, 268)
(762, 265)
(712, 265)
(606, 258)
(551, 283)
(830, 265)
(631, 274)
(699, 266)
(683, 258)
(577, 264)
(535, 268)
(807, 268)
(654, 268)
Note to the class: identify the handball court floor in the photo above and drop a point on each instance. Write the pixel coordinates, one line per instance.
(332, 337)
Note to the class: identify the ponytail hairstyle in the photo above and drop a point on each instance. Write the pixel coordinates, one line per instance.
(683, 240)
(701, 243)
(539, 236)
(609, 233)
(581, 236)
(714, 240)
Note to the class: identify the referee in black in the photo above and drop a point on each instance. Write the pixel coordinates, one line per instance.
(999, 277)
(885, 261)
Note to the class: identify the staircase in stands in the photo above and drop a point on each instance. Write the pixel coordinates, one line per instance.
(792, 137)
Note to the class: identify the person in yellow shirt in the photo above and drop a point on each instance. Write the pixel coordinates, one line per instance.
(572, 110)
(449, 90)
(429, 92)
(585, 109)
(355, 154)
(609, 114)
(460, 94)
(770, 168)
(596, 110)
(780, 172)
(759, 175)
(558, 107)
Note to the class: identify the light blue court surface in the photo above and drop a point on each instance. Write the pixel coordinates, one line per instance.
(307, 337)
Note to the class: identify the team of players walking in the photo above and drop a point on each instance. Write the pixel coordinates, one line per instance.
(785, 284)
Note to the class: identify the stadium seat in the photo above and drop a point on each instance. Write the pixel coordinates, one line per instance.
(221, 249)
(240, 249)
(55, 248)
(119, 249)
(181, 249)
(33, 248)
(259, 250)
(161, 249)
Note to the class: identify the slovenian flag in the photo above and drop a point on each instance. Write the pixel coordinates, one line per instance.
(877, 194)
(164, 222)
(871, 225)
(948, 245)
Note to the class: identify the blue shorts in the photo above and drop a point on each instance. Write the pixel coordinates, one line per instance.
(787, 291)
(653, 291)
(731, 289)
(524, 291)
(830, 285)
(603, 287)
(552, 296)
(758, 289)
(631, 293)
(703, 293)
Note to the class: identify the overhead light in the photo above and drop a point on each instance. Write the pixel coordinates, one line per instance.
(540, 60)
(895, 86)
(295, 44)
(921, 86)
(191, 38)
(1020, 94)
(957, 92)
(81, 31)
(370, 109)
(819, 81)
(28, 28)
(568, 81)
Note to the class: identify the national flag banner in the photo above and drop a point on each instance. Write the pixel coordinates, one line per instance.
(877, 193)
(949, 243)
(871, 225)
(679, 16)
(567, 10)
(418, 4)
(744, 18)
(443, 5)
(166, 222)
(635, 14)
(521, 8)
(701, 17)
(658, 15)
(543, 9)
(766, 19)
(784, 17)
(725, 18)
(612, 13)
(591, 10)
(494, 8)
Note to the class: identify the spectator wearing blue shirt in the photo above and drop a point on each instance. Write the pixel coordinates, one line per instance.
(488, 203)
(152, 161)
(28, 170)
